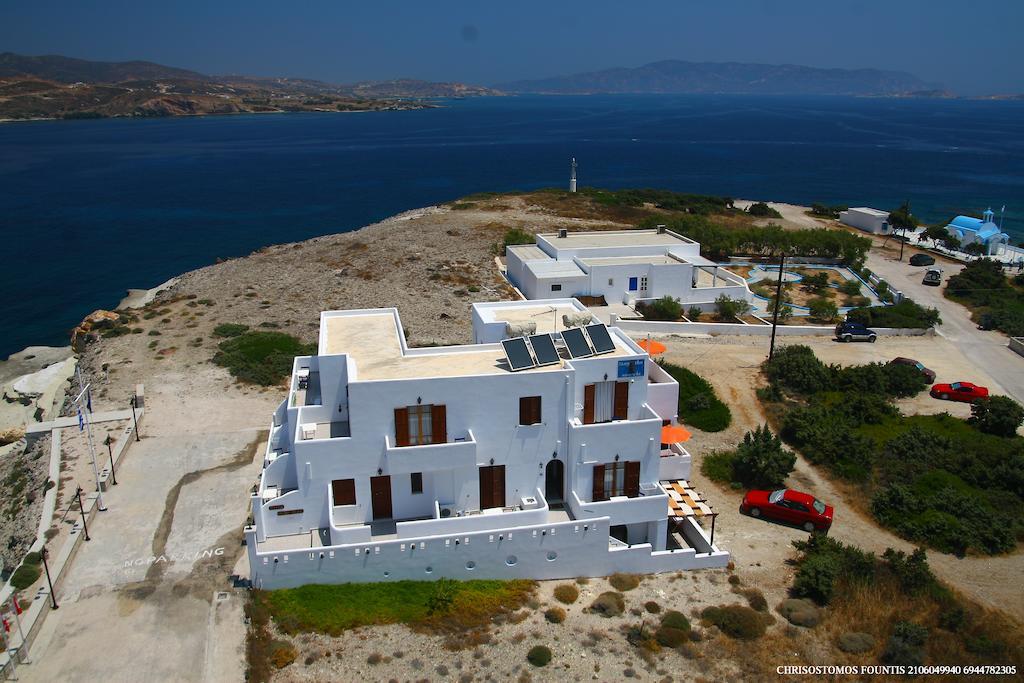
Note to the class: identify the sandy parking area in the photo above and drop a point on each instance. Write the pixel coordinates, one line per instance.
(732, 365)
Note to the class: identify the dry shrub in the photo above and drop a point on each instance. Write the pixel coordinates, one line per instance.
(282, 653)
(652, 607)
(624, 582)
(556, 615)
(736, 621)
(609, 604)
(566, 593)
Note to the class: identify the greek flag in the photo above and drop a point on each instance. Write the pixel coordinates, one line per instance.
(81, 421)
(88, 400)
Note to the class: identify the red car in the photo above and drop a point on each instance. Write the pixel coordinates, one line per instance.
(959, 391)
(787, 505)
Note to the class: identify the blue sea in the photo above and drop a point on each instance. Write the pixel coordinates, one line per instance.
(91, 208)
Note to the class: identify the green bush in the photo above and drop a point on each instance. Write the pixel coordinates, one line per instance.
(736, 621)
(516, 236)
(998, 415)
(823, 561)
(762, 210)
(827, 211)
(694, 313)
(906, 645)
(816, 282)
(671, 637)
(850, 288)
(796, 368)
(261, 357)
(760, 460)
(729, 309)
(539, 655)
(907, 313)
(25, 575)
(665, 308)
(824, 310)
(715, 417)
(229, 330)
(676, 620)
(718, 466)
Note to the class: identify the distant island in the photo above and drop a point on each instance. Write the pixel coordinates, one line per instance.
(680, 77)
(56, 87)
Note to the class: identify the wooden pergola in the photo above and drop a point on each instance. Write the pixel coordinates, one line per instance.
(685, 501)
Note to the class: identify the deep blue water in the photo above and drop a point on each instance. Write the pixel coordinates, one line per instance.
(91, 208)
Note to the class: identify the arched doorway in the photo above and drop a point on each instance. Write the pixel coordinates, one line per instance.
(554, 481)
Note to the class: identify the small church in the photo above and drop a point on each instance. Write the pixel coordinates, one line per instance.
(983, 231)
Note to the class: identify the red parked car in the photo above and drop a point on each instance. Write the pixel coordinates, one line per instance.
(959, 391)
(787, 505)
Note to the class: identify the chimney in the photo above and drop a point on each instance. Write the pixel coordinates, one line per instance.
(562, 233)
(661, 229)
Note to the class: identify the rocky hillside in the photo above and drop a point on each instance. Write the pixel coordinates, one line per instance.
(674, 76)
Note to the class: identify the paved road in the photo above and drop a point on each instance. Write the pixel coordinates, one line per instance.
(986, 349)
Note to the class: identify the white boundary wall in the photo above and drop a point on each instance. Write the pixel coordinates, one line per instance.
(548, 551)
(659, 327)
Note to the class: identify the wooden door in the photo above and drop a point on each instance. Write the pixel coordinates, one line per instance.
(380, 497)
(588, 404)
(492, 487)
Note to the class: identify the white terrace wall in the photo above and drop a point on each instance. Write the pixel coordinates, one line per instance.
(552, 551)
(658, 327)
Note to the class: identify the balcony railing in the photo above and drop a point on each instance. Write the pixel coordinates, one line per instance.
(458, 451)
(650, 505)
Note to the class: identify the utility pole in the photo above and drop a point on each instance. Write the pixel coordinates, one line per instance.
(778, 305)
(903, 232)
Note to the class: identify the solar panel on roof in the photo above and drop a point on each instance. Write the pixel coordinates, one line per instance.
(544, 349)
(576, 343)
(601, 339)
(518, 354)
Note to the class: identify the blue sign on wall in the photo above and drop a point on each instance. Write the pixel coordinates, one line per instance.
(631, 368)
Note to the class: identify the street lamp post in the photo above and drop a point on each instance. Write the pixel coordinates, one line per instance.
(46, 566)
(85, 526)
(134, 420)
(110, 452)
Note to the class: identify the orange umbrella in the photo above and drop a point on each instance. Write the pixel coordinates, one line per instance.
(652, 347)
(674, 434)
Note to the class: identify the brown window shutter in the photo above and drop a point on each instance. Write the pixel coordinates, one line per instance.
(621, 408)
(588, 404)
(525, 411)
(598, 493)
(499, 486)
(344, 491)
(486, 488)
(401, 426)
(438, 424)
(631, 482)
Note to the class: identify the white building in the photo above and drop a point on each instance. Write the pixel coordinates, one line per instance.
(386, 462)
(869, 220)
(622, 266)
(983, 231)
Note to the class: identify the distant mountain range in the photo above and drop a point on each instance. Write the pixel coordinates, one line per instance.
(679, 77)
(53, 86)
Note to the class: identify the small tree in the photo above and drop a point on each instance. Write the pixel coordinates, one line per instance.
(694, 312)
(901, 219)
(665, 308)
(762, 210)
(936, 233)
(823, 309)
(761, 461)
(850, 288)
(730, 309)
(975, 249)
(999, 415)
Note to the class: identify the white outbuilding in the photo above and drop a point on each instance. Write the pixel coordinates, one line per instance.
(867, 219)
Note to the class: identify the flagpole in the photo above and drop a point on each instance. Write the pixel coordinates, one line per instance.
(22, 651)
(85, 415)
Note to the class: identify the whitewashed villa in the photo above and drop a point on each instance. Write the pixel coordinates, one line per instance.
(623, 266)
(386, 462)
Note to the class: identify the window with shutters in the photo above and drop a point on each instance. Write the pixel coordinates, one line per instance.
(620, 478)
(344, 491)
(420, 424)
(529, 410)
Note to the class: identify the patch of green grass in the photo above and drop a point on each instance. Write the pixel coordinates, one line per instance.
(698, 404)
(333, 609)
(25, 575)
(261, 357)
(229, 330)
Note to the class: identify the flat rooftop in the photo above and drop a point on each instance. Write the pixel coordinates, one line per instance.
(615, 238)
(529, 252)
(657, 259)
(547, 317)
(371, 339)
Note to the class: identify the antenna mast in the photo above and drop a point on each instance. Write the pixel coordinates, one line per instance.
(572, 176)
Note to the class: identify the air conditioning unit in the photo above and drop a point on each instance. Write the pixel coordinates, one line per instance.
(447, 511)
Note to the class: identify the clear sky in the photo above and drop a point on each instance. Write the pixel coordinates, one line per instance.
(970, 46)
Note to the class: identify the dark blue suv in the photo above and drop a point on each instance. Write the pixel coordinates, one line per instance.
(848, 331)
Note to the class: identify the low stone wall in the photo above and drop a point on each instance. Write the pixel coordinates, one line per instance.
(1017, 345)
